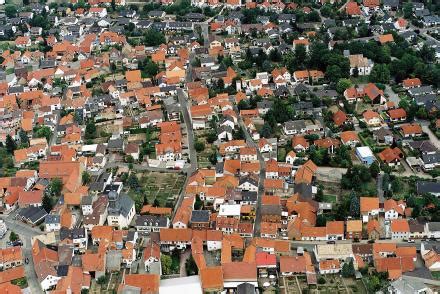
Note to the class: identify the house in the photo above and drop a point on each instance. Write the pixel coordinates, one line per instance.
(152, 257)
(291, 157)
(365, 155)
(369, 207)
(423, 187)
(384, 39)
(399, 229)
(294, 127)
(371, 118)
(11, 257)
(360, 65)
(353, 229)
(411, 130)
(349, 138)
(397, 115)
(151, 223)
(391, 156)
(393, 209)
(353, 9)
(120, 210)
(175, 238)
(331, 266)
(411, 83)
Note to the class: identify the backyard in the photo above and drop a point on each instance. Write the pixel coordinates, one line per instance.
(163, 188)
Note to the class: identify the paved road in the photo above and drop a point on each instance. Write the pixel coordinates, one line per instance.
(250, 142)
(26, 233)
(183, 101)
(380, 191)
(391, 95)
(432, 137)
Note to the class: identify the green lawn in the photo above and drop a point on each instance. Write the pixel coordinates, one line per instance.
(436, 275)
(329, 198)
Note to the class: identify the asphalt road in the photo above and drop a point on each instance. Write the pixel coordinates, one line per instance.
(26, 233)
(250, 142)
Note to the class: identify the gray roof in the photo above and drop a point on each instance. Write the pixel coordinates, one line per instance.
(249, 179)
(200, 216)
(52, 219)
(151, 221)
(295, 125)
(428, 187)
(249, 196)
(431, 158)
(424, 146)
(434, 226)
(406, 286)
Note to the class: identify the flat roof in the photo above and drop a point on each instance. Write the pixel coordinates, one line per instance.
(230, 210)
(364, 151)
(189, 284)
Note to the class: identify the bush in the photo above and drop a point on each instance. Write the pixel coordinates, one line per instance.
(321, 280)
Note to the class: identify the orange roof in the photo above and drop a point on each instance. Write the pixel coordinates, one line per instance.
(398, 113)
(335, 227)
(212, 278)
(306, 172)
(368, 204)
(148, 283)
(409, 83)
(411, 129)
(12, 274)
(383, 39)
(399, 225)
(329, 264)
(8, 288)
(390, 154)
(352, 8)
(348, 136)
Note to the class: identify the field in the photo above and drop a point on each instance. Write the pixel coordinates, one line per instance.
(163, 187)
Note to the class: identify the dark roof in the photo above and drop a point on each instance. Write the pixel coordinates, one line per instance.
(249, 196)
(245, 288)
(200, 216)
(431, 158)
(151, 221)
(62, 270)
(427, 187)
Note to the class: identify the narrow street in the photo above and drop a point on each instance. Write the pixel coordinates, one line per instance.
(250, 142)
(26, 234)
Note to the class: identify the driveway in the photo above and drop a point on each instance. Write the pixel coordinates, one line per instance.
(432, 137)
(391, 95)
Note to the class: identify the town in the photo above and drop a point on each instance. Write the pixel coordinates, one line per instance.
(206, 146)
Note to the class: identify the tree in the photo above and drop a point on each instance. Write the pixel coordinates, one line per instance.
(374, 169)
(320, 194)
(24, 139)
(191, 266)
(43, 132)
(47, 203)
(11, 10)
(55, 187)
(380, 74)
(133, 181)
(156, 203)
(90, 132)
(199, 146)
(85, 178)
(102, 280)
(348, 269)
(343, 84)
(198, 204)
(10, 144)
(13, 236)
(354, 205)
(266, 131)
(166, 263)
(153, 38)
